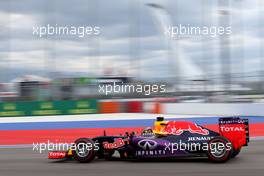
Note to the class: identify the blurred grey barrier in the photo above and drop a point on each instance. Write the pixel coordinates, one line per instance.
(224, 109)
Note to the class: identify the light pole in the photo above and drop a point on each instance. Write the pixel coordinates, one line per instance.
(224, 21)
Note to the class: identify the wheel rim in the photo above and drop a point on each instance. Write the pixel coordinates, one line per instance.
(216, 151)
(82, 150)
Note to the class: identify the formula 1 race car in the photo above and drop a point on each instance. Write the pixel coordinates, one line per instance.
(167, 139)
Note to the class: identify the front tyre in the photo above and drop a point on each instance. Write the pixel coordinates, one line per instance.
(84, 150)
(220, 149)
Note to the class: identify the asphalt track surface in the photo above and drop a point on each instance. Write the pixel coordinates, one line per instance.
(20, 162)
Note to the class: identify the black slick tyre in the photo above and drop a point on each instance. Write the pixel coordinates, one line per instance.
(220, 149)
(84, 150)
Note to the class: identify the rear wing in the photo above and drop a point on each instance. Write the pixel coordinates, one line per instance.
(235, 129)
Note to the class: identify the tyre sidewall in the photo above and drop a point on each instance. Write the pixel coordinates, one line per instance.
(91, 154)
(228, 152)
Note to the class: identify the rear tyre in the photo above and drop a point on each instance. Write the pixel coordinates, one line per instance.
(219, 150)
(236, 152)
(84, 150)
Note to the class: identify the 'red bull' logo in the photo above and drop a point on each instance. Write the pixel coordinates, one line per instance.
(119, 142)
(177, 128)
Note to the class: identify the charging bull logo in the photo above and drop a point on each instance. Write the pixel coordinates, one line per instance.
(177, 128)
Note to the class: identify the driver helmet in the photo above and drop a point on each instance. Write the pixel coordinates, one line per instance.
(160, 125)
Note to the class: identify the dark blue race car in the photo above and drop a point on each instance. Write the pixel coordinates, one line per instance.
(167, 139)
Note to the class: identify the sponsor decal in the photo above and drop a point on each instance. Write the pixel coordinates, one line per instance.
(200, 138)
(147, 144)
(119, 142)
(150, 152)
(229, 129)
(177, 128)
(56, 155)
(233, 121)
(149, 147)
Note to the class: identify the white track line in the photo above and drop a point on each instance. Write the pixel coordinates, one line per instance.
(93, 117)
